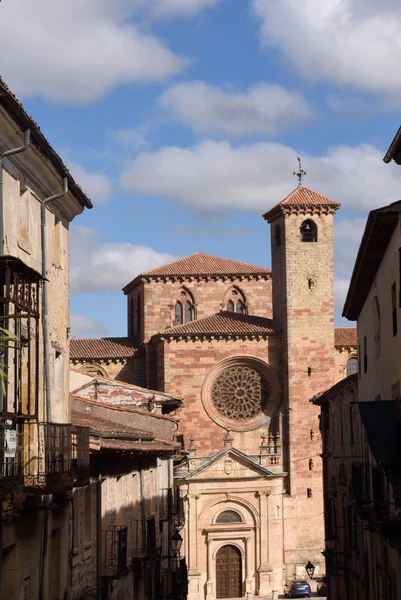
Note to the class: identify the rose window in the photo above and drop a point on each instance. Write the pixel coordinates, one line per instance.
(240, 393)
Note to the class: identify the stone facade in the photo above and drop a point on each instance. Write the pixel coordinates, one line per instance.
(34, 484)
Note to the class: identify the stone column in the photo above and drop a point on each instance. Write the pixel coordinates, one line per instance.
(248, 578)
(210, 584)
(264, 567)
(193, 570)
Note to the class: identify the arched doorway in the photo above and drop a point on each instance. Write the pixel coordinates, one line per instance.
(228, 572)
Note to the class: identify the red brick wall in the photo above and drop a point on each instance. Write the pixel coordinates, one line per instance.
(186, 365)
(208, 296)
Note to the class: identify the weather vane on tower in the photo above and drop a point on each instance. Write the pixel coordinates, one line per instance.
(300, 173)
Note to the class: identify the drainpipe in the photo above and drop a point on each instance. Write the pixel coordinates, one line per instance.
(99, 584)
(45, 297)
(27, 140)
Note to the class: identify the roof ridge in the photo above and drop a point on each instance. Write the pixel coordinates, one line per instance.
(122, 408)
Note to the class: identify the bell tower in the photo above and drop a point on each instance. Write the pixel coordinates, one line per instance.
(303, 308)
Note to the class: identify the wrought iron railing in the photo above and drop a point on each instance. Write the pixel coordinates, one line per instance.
(114, 552)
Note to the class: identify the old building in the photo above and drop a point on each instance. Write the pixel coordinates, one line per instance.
(361, 427)
(124, 519)
(42, 455)
(246, 347)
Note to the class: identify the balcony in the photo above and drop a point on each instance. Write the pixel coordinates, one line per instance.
(114, 552)
(80, 455)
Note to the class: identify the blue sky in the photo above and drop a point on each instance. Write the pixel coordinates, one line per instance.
(182, 120)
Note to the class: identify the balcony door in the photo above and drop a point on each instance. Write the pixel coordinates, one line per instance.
(228, 572)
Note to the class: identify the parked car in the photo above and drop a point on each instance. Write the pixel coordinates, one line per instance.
(322, 587)
(297, 589)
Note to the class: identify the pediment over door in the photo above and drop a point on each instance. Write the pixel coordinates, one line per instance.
(227, 464)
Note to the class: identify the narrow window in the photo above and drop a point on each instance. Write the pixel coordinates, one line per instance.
(399, 276)
(309, 371)
(138, 316)
(178, 313)
(376, 322)
(352, 365)
(308, 231)
(351, 423)
(365, 354)
(309, 492)
(311, 466)
(239, 307)
(230, 306)
(277, 235)
(88, 514)
(187, 312)
(394, 307)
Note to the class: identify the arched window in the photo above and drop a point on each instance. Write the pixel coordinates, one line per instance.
(184, 307)
(308, 231)
(235, 301)
(352, 365)
(178, 313)
(277, 235)
(239, 307)
(229, 516)
(230, 306)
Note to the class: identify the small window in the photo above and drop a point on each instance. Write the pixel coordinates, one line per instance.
(308, 231)
(277, 235)
(187, 312)
(311, 465)
(229, 516)
(394, 308)
(309, 492)
(239, 307)
(230, 306)
(365, 354)
(352, 365)
(178, 314)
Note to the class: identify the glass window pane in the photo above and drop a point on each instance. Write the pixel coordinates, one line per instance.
(178, 314)
(188, 312)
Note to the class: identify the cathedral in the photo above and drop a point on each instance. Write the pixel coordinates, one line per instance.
(246, 348)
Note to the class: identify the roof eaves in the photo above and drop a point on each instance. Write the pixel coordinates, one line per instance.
(394, 151)
(16, 109)
(380, 226)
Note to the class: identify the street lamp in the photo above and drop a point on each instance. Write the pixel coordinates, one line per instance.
(176, 542)
(310, 569)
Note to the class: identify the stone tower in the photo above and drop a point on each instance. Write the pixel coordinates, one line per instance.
(303, 308)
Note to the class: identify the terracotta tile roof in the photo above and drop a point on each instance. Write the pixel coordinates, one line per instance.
(302, 198)
(200, 264)
(134, 446)
(99, 425)
(97, 348)
(14, 107)
(345, 336)
(124, 408)
(223, 323)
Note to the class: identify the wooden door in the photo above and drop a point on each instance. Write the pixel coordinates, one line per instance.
(228, 573)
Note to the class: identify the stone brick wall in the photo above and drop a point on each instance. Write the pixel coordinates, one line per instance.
(209, 298)
(304, 309)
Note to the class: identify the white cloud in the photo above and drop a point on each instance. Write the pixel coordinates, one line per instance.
(263, 108)
(73, 51)
(170, 8)
(84, 326)
(340, 293)
(217, 176)
(355, 42)
(96, 185)
(105, 266)
(135, 137)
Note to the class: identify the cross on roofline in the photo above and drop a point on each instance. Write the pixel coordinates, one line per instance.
(300, 173)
